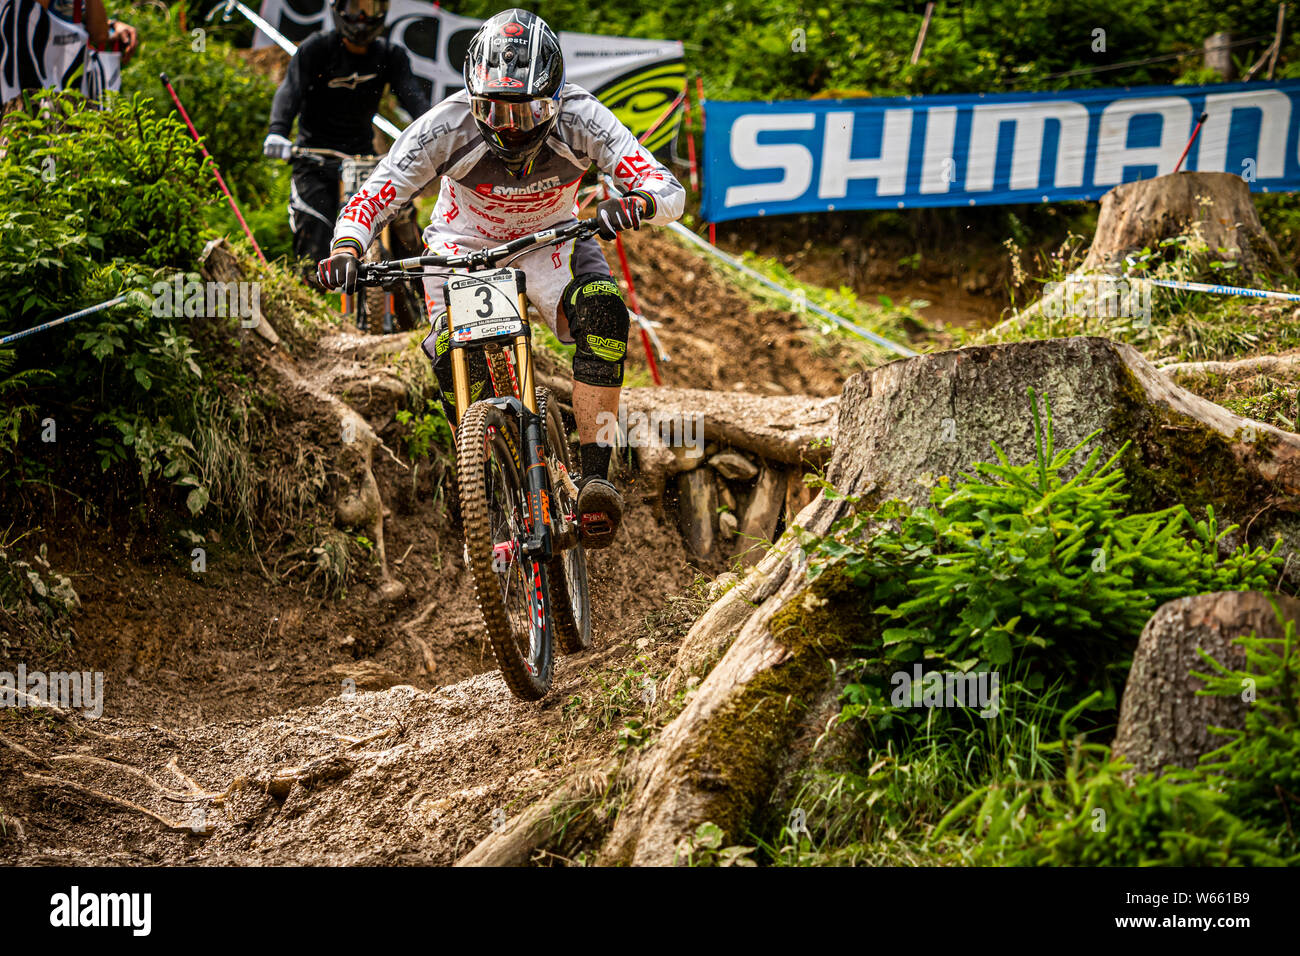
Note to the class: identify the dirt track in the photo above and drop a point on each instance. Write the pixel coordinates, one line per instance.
(237, 677)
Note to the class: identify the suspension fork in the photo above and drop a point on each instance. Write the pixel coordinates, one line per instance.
(537, 484)
(537, 477)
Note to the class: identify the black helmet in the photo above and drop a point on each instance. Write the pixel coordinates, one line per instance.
(359, 20)
(514, 72)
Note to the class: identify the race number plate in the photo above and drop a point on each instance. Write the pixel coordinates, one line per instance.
(484, 305)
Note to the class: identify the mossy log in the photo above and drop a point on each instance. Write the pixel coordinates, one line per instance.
(790, 429)
(1162, 721)
(900, 427)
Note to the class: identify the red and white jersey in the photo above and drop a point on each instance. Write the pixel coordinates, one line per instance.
(480, 199)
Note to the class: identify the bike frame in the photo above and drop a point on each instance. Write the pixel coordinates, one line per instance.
(541, 543)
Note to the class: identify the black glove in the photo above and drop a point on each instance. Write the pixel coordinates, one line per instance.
(617, 214)
(339, 271)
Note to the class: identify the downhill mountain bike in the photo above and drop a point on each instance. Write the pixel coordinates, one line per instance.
(374, 308)
(518, 499)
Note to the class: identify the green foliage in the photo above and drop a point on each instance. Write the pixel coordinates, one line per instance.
(428, 433)
(1016, 560)
(86, 186)
(1040, 573)
(704, 848)
(229, 103)
(103, 199)
(1235, 807)
(1259, 767)
(14, 412)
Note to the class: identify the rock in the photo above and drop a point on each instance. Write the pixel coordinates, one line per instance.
(1162, 721)
(762, 513)
(725, 498)
(697, 507)
(733, 466)
(685, 458)
(727, 525)
(354, 510)
(391, 591)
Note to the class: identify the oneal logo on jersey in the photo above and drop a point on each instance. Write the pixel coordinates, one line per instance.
(541, 186)
(73, 909)
(351, 82)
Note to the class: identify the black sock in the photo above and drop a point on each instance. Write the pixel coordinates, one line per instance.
(594, 459)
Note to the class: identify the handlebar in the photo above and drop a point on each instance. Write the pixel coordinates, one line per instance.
(323, 155)
(377, 273)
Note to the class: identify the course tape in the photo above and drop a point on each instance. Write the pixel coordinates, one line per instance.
(1222, 289)
(67, 318)
(811, 306)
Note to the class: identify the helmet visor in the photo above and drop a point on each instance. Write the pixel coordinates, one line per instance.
(363, 10)
(500, 115)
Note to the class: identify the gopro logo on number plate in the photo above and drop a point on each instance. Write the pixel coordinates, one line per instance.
(484, 305)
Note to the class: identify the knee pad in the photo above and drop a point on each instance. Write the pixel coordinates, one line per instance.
(437, 345)
(598, 320)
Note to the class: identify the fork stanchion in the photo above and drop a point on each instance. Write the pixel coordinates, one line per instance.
(215, 170)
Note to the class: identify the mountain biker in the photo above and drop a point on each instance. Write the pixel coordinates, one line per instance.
(333, 87)
(510, 150)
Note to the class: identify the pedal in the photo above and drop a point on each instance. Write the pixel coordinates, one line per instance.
(597, 529)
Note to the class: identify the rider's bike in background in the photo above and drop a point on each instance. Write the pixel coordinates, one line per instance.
(375, 309)
(518, 499)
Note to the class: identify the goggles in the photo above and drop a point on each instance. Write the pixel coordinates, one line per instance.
(364, 11)
(500, 115)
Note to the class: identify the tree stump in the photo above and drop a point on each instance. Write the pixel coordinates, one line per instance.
(1162, 721)
(1217, 206)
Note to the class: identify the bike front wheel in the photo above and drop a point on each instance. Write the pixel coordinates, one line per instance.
(514, 592)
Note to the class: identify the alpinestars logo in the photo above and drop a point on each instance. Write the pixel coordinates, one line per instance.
(541, 186)
(351, 82)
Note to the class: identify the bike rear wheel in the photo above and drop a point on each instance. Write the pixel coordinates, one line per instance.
(569, 595)
(514, 594)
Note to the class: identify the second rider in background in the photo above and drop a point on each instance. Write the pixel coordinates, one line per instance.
(332, 88)
(510, 151)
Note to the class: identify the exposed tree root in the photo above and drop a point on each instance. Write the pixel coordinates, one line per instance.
(429, 662)
(139, 774)
(1259, 365)
(58, 713)
(565, 814)
(19, 748)
(198, 829)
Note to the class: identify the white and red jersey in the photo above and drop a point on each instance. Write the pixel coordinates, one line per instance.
(480, 200)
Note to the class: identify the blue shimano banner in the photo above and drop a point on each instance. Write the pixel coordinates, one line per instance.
(983, 149)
